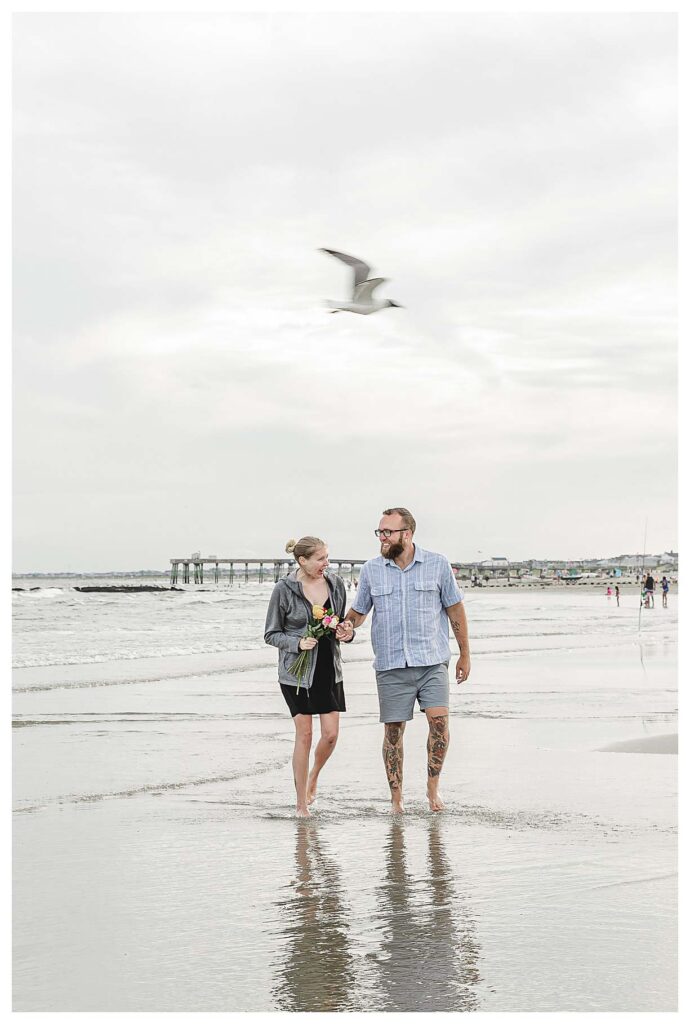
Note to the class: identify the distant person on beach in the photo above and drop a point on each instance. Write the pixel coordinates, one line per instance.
(414, 596)
(649, 586)
(609, 592)
(321, 693)
(665, 587)
(618, 595)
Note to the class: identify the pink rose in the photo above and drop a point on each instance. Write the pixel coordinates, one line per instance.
(326, 620)
(333, 622)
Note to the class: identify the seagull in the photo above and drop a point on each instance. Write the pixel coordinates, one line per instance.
(362, 297)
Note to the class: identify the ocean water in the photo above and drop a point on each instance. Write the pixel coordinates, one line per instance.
(55, 624)
(59, 625)
(159, 866)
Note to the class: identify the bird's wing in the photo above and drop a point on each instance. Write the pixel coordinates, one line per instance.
(363, 291)
(360, 268)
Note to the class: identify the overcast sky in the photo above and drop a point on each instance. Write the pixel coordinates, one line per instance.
(179, 383)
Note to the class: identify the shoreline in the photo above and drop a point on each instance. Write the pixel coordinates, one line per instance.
(491, 585)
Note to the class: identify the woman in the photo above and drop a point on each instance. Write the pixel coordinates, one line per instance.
(321, 691)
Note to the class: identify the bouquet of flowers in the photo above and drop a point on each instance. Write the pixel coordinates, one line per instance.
(321, 622)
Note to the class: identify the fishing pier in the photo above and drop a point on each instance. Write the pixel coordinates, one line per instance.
(191, 569)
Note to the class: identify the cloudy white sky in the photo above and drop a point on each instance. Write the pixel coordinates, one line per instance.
(179, 384)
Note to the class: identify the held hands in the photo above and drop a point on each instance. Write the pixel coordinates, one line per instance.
(462, 668)
(345, 630)
(307, 642)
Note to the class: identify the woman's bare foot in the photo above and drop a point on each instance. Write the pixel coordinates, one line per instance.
(302, 812)
(435, 801)
(397, 807)
(311, 790)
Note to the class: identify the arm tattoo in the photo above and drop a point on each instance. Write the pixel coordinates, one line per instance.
(459, 627)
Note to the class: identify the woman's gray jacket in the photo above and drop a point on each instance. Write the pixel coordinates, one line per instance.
(289, 614)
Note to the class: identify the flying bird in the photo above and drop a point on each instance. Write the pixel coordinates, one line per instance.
(362, 290)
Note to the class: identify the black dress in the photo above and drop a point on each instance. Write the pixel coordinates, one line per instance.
(324, 694)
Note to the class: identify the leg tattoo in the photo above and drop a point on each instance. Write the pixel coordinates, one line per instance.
(393, 755)
(437, 744)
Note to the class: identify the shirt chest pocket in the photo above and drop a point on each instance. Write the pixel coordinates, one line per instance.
(426, 594)
(382, 595)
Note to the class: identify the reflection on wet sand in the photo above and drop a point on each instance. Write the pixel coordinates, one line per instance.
(429, 953)
(317, 971)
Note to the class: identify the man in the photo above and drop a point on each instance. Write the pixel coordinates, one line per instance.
(414, 596)
(649, 588)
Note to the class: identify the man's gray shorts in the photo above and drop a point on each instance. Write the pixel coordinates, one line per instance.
(400, 687)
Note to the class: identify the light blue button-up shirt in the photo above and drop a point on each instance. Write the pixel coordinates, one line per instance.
(410, 625)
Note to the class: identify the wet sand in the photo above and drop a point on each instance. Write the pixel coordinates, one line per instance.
(645, 745)
(548, 884)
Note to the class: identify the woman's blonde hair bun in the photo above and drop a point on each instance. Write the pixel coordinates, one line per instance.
(304, 547)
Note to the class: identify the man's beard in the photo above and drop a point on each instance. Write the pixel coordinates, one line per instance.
(395, 548)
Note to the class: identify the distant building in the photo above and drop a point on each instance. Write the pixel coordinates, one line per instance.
(633, 563)
(495, 562)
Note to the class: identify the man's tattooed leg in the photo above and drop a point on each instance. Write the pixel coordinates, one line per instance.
(437, 747)
(437, 744)
(393, 760)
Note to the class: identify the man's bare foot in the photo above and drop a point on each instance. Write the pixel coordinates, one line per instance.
(311, 790)
(435, 801)
(397, 807)
(302, 812)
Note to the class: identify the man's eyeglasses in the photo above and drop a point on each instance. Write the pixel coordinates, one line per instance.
(387, 533)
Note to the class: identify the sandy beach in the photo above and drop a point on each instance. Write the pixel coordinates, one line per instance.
(159, 867)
